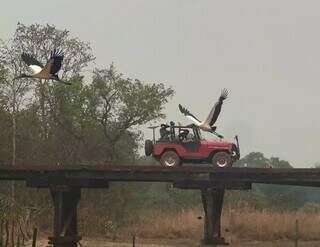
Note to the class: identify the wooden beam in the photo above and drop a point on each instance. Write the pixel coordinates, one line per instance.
(212, 201)
(46, 182)
(93, 176)
(210, 184)
(65, 230)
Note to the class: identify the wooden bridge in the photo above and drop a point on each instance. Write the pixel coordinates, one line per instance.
(65, 184)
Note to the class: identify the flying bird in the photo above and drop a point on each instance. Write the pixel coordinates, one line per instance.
(208, 124)
(47, 72)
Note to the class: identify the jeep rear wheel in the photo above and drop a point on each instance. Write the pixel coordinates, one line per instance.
(170, 159)
(222, 159)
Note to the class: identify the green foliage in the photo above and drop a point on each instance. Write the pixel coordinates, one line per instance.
(277, 197)
(89, 121)
(93, 121)
(39, 40)
(257, 159)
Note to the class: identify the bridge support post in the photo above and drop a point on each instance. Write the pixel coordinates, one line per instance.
(212, 200)
(65, 201)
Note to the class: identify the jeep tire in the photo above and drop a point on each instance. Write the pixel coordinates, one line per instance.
(148, 147)
(170, 159)
(221, 160)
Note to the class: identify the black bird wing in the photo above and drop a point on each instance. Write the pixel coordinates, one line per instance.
(30, 60)
(54, 63)
(57, 61)
(188, 114)
(215, 111)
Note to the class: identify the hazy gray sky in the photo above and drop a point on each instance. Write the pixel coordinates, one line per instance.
(265, 52)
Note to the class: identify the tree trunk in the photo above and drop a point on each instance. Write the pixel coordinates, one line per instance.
(43, 110)
(12, 232)
(7, 233)
(13, 162)
(1, 233)
(20, 232)
(18, 240)
(14, 128)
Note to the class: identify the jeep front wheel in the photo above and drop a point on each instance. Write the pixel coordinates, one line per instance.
(170, 159)
(222, 159)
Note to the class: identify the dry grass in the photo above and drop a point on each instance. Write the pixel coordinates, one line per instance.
(162, 225)
(268, 225)
(238, 225)
(242, 224)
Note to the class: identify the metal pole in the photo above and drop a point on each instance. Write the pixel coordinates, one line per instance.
(34, 238)
(296, 233)
(133, 240)
(154, 136)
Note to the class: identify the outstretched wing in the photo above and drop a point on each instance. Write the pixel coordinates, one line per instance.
(57, 61)
(54, 63)
(189, 115)
(215, 111)
(30, 60)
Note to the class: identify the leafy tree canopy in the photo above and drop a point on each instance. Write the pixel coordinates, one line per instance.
(258, 160)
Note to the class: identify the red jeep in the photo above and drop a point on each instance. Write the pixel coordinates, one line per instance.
(184, 144)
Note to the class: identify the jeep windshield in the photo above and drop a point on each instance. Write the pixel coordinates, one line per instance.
(197, 133)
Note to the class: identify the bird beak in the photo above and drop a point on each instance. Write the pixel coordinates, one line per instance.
(65, 82)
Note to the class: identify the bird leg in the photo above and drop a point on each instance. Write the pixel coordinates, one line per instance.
(213, 128)
(218, 135)
(213, 131)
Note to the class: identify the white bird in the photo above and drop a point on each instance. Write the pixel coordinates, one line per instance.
(47, 72)
(207, 125)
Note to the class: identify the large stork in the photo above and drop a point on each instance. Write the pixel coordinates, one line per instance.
(208, 124)
(47, 72)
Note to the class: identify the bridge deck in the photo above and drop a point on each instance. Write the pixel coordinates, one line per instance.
(304, 177)
(65, 185)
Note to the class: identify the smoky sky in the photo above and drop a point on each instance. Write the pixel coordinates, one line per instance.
(265, 52)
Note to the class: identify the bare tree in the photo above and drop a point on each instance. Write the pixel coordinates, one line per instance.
(13, 92)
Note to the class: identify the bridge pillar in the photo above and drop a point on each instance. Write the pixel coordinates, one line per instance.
(65, 231)
(212, 200)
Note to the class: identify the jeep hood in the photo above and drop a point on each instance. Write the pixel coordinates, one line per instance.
(217, 143)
